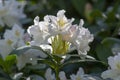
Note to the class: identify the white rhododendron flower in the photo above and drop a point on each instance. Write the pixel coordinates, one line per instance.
(82, 76)
(5, 48)
(46, 48)
(83, 39)
(35, 77)
(114, 71)
(38, 31)
(80, 37)
(15, 36)
(12, 39)
(79, 76)
(49, 75)
(58, 24)
(29, 56)
(62, 76)
(61, 33)
(11, 11)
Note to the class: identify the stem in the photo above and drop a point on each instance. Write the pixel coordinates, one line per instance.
(57, 72)
(56, 68)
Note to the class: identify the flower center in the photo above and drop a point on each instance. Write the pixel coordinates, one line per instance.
(61, 23)
(9, 42)
(17, 33)
(59, 46)
(118, 65)
(78, 78)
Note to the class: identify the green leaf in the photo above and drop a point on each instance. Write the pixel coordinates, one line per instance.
(88, 65)
(111, 17)
(104, 50)
(117, 30)
(82, 61)
(57, 58)
(23, 49)
(103, 34)
(96, 14)
(109, 42)
(1, 62)
(9, 62)
(10, 57)
(20, 50)
(37, 66)
(4, 76)
(47, 62)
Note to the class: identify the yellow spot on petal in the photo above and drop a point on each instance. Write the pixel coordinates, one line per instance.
(9, 42)
(17, 33)
(61, 23)
(118, 65)
(78, 78)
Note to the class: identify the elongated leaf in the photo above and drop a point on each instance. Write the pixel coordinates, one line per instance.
(4, 76)
(47, 62)
(104, 50)
(88, 65)
(83, 61)
(109, 42)
(23, 49)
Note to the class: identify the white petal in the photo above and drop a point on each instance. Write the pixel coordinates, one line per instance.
(60, 13)
(2, 22)
(80, 71)
(36, 20)
(49, 75)
(11, 12)
(30, 56)
(5, 49)
(81, 23)
(62, 75)
(11, 20)
(110, 74)
(79, 76)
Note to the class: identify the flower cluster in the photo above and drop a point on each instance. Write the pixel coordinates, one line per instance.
(114, 71)
(13, 39)
(61, 34)
(56, 48)
(55, 34)
(11, 11)
(80, 75)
